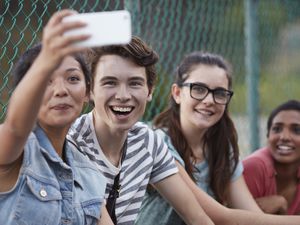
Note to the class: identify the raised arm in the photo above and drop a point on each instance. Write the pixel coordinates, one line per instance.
(225, 216)
(177, 193)
(26, 99)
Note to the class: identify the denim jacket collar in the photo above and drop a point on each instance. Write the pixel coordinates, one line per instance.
(49, 151)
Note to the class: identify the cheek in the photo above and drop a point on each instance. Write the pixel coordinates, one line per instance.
(141, 95)
(297, 140)
(80, 94)
(221, 111)
(272, 139)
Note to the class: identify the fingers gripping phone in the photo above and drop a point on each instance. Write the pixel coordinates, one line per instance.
(104, 28)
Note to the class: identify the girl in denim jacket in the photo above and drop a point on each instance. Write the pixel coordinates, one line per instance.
(44, 179)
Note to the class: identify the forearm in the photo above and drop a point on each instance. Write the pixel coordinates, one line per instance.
(224, 216)
(191, 216)
(177, 193)
(105, 218)
(242, 217)
(240, 196)
(26, 99)
(22, 113)
(221, 215)
(274, 204)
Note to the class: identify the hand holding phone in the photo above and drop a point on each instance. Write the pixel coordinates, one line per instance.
(104, 28)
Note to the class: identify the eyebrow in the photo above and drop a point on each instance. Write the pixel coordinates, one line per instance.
(73, 69)
(205, 85)
(137, 79)
(114, 78)
(107, 78)
(282, 123)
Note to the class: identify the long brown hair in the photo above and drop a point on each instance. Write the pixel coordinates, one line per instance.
(220, 141)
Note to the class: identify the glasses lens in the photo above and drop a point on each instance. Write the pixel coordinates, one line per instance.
(221, 96)
(198, 91)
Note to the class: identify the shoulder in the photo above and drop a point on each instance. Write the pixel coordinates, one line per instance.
(81, 130)
(81, 125)
(82, 135)
(142, 132)
(139, 128)
(259, 157)
(259, 162)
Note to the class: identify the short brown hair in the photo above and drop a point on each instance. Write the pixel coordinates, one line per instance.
(137, 51)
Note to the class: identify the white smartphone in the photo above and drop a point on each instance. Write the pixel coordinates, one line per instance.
(105, 28)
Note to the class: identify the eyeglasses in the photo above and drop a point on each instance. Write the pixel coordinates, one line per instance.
(200, 91)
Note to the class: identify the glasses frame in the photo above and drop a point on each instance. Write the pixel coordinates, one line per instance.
(190, 85)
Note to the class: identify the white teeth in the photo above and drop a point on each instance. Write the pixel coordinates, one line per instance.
(204, 112)
(122, 109)
(284, 147)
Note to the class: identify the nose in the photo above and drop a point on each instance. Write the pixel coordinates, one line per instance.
(285, 134)
(123, 93)
(209, 99)
(60, 88)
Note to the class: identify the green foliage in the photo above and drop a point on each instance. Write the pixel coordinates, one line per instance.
(273, 90)
(276, 89)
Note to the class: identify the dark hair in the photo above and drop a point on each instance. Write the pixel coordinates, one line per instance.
(137, 51)
(221, 136)
(289, 105)
(28, 57)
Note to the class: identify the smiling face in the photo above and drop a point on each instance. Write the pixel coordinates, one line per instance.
(284, 137)
(195, 114)
(120, 93)
(64, 96)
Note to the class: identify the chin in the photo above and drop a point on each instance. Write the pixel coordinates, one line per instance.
(63, 122)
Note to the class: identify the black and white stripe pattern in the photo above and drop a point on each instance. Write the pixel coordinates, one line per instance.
(147, 160)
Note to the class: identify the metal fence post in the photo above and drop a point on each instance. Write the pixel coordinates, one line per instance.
(252, 70)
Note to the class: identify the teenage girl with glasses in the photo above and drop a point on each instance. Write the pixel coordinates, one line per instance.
(201, 135)
(203, 140)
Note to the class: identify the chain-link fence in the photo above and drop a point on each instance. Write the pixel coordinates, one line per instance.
(174, 28)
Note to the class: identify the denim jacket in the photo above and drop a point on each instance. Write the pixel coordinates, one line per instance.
(50, 191)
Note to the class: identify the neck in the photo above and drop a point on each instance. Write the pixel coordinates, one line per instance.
(287, 171)
(194, 138)
(57, 138)
(111, 141)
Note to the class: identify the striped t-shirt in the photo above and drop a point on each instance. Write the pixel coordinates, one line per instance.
(147, 160)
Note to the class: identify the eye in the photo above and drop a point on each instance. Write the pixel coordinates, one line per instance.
(199, 89)
(219, 93)
(136, 83)
(296, 129)
(109, 83)
(73, 78)
(276, 129)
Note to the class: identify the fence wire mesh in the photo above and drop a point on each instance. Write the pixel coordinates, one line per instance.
(174, 28)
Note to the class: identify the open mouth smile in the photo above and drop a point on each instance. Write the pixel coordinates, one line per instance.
(122, 110)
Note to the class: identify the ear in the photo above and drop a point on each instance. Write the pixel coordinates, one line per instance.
(87, 98)
(91, 96)
(149, 98)
(176, 90)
